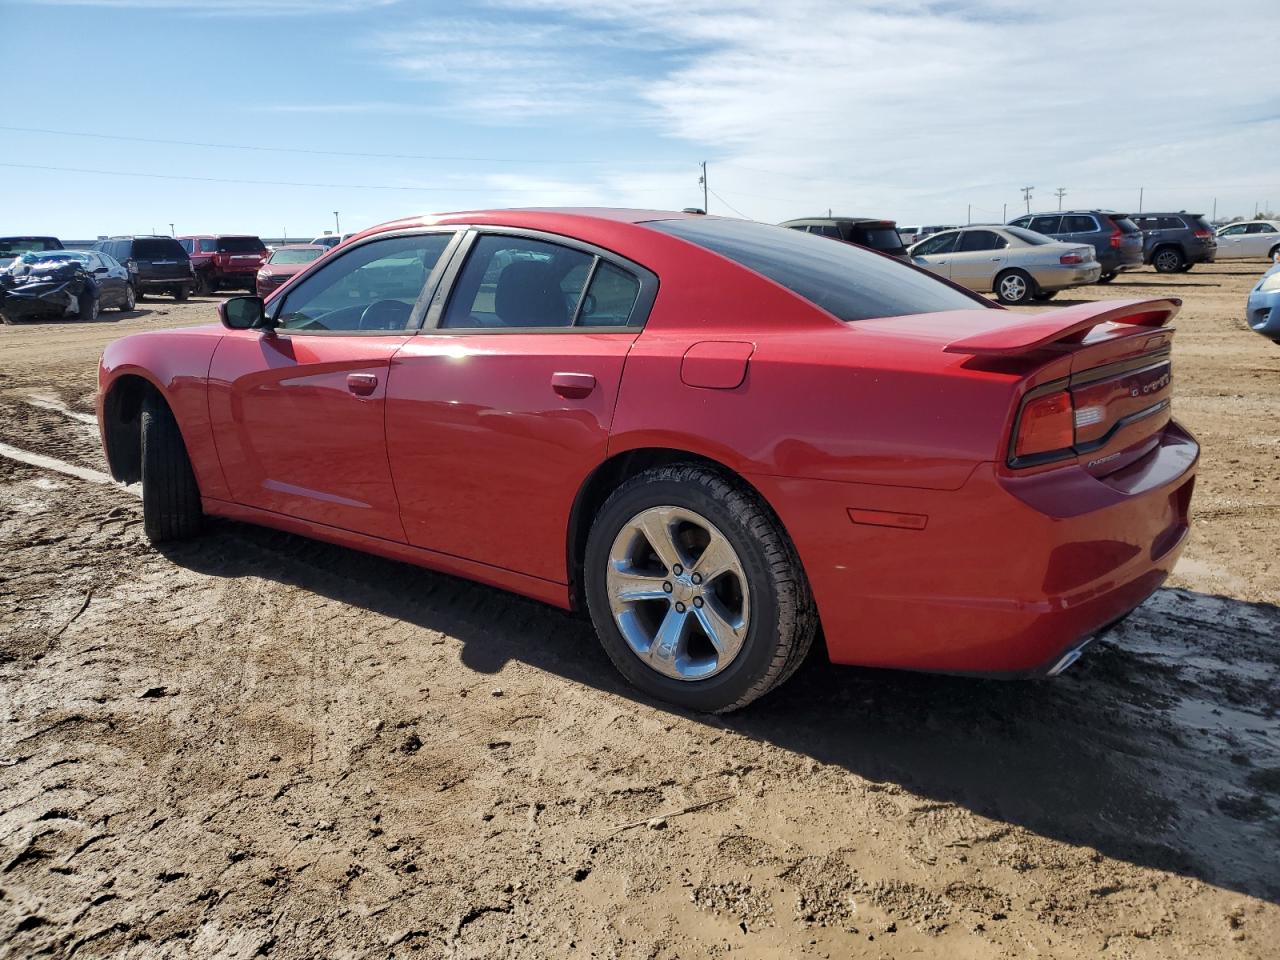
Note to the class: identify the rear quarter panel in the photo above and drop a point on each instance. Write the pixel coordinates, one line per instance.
(175, 362)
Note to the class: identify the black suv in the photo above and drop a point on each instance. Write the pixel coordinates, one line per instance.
(13, 247)
(1175, 242)
(154, 264)
(879, 235)
(1116, 240)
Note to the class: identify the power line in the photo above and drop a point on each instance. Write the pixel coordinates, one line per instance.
(728, 204)
(273, 183)
(324, 153)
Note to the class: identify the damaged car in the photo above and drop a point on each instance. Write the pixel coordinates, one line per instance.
(49, 284)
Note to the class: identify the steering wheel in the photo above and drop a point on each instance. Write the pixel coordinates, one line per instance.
(385, 315)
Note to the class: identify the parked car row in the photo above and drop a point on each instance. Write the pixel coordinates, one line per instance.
(55, 282)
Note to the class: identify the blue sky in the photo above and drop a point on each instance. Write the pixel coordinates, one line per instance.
(915, 110)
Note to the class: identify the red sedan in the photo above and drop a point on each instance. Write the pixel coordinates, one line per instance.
(284, 262)
(714, 436)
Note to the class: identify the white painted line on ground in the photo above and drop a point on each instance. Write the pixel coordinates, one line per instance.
(71, 470)
(46, 402)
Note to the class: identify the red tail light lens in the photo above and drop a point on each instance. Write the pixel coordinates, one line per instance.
(1047, 425)
(1070, 258)
(1204, 234)
(1116, 237)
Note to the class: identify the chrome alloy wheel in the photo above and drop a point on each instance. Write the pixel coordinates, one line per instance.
(1013, 287)
(678, 593)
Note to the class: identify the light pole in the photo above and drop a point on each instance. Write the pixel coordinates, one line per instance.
(336, 229)
(172, 232)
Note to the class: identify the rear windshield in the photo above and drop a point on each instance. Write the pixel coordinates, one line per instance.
(1030, 236)
(294, 256)
(240, 245)
(1203, 224)
(158, 248)
(1125, 224)
(851, 283)
(12, 245)
(878, 238)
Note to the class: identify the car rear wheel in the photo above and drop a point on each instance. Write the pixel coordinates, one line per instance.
(695, 590)
(1044, 296)
(1015, 286)
(1273, 252)
(170, 498)
(130, 299)
(138, 295)
(181, 293)
(1168, 260)
(1106, 278)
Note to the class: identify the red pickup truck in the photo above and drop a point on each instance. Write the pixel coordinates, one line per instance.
(225, 260)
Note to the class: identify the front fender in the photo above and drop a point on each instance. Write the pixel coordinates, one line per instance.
(175, 363)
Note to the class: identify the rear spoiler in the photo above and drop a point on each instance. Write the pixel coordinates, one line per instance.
(1040, 330)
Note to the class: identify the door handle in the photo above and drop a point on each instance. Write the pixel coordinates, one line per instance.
(362, 384)
(573, 386)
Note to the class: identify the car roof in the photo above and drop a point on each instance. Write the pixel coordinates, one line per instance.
(840, 220)
(301, 246)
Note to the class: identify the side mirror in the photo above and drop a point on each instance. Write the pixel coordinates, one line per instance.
(100, 270)
(242, 313)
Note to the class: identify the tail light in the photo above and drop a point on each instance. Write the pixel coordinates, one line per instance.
(1046, 426)
(1116, 237)
(1203, 234)
(1069, 258)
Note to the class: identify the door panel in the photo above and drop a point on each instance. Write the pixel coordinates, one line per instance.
(298, 422)
(491, 435)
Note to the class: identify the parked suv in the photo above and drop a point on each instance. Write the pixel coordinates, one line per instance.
(225, 260)
(155, 264)
(879, 235)
(1116, 240)
(1176, 242)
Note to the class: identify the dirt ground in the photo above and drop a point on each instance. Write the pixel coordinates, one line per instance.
(255, 745)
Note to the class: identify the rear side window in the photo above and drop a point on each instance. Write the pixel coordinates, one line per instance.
(1046, 225)
(209, 245)
(975, 240)
(848, 282)
(825, 230)
(1078, 223)
(518, 282)
(240, 245)
(1171, 223)
(158, 248)
(611, 297)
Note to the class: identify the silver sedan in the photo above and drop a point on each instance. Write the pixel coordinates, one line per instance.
(1018, 265)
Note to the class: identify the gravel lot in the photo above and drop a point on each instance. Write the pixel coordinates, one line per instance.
(255, 745)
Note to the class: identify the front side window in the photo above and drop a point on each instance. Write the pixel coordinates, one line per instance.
(517, 282)
(847, 281)
(1046, 225)
(1232, 231)
(938, 243)
(372, 287)
(972, 241)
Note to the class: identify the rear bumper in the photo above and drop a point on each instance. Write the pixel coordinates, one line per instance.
(155, 283)
(1006, 576)
(1060, 277)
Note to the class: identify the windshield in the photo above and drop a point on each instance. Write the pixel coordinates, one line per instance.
(294, 256)
(240, 245)
(12, 246)
(844, 280)
(53, 256)
(1028, 236)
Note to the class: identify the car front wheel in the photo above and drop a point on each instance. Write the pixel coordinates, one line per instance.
(695, 590)
(1014, 287)
(130, 299)
(90, 306)
(170, 497)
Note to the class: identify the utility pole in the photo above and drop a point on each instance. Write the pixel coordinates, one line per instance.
(703, 180)
(1141, 190)
(1004, 213)
(172, 232)
(1214, 218)
(1060, 193)
(1026, 195)
(968, 217)
(337, 230)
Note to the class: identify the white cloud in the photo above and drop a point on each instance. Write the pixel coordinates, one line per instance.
(910, 109)
(239, 8)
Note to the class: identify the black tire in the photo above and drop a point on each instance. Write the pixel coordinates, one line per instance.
(181, 293)
(130, 299)
(211, 284)
(1186, 268)
(783, 619)
(1106, 278)
(90, 306)
(170, 498)
(1271, 254)
(1168, 260)
(1015, 287)
(1044, 296)
(138, 295)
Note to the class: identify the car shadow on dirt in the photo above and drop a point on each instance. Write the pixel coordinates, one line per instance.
(1161, 747)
